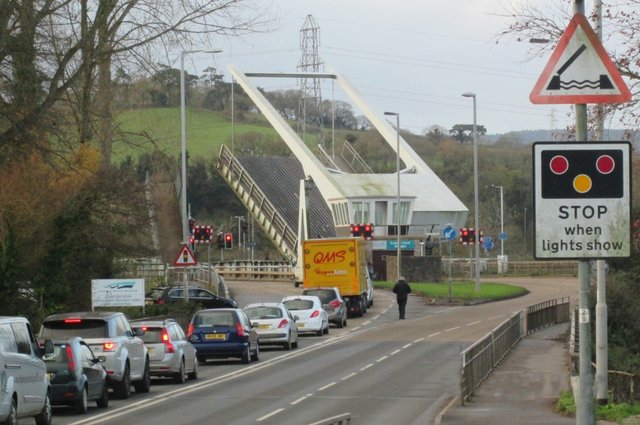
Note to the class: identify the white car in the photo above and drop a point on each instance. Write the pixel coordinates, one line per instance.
(108, 334)
(23, 375)
(311, 317)
(274, 323)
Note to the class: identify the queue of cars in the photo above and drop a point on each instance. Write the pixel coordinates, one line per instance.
(77, 357)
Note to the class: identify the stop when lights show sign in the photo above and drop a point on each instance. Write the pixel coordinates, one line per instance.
(582, 200)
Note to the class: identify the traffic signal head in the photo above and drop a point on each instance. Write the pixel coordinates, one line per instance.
(467, 236)
(192, 225)
(228, 241)
(220, 240)
(356, 230)
(367, 231)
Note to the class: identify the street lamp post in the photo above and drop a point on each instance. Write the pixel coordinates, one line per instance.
(399, 251)
(475, 189)
(501, 218)
(183, 144)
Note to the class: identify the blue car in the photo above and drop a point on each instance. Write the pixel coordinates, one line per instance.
(223, 333)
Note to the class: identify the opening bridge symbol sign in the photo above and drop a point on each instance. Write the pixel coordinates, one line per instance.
(580, 70)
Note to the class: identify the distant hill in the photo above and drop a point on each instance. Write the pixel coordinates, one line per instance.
(530, 136)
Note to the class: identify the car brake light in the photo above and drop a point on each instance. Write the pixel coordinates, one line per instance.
(190, 330)
(239, 329)
(335, 303)
(168, 346)
(283, 324)
(316, 313)
(109, 346)
(159, 301)
(71, 364)
(72, 320)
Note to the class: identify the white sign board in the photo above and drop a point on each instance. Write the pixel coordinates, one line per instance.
(582, 200)
(117, 292)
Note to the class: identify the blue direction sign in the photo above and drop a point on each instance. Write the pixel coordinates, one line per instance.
(487, 242)
(449, 233)
(502, 236)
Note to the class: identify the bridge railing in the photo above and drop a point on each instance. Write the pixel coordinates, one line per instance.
(483, 356)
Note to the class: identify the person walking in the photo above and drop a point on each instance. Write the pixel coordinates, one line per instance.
(402, 291)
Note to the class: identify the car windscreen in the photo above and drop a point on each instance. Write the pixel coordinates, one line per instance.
(155, 293)
(298, 304)
(85, 328)
(214, 319)
(263, 312)
(325, 295)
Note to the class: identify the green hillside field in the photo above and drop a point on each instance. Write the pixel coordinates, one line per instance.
(206, 131)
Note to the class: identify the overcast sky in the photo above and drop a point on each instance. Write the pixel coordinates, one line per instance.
(414, 57)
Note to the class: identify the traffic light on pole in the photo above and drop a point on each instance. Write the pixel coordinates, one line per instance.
(221, 240)
(228, 241)
(192, 225)
(368, 231)
(356, 230)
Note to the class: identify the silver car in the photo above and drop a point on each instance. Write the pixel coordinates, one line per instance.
(274, 324)
(170, 352)
(333, 304)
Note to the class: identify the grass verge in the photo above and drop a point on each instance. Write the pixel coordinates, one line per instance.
(461, 291)
(609, 412)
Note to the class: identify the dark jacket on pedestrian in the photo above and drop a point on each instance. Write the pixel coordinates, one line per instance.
(401, 289)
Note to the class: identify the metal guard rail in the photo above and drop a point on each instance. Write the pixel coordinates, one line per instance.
(482, 357)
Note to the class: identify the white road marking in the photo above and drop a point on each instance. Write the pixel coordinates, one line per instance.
(382, 358)
(267, 416)
(293, 403)
(407, 345)
(496, 317)
(473, 323)
(451, 329)
(434, 334)
(366, 323)
(351, 375)
(366, 367)
(327, 386)
(395, 352)
(418, 340)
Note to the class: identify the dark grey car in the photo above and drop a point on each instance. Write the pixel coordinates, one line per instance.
(332, 303)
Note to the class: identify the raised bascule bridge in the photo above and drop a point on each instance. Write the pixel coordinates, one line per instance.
(317, 194)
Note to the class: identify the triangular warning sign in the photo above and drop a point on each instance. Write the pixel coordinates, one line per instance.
(186, 257)
(580, 70)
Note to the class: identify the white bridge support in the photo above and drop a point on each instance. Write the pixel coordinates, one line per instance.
(427, 204)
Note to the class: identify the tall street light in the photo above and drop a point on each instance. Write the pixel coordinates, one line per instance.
(183, 145)
(399, 252)
(501, 218)
(475, 188)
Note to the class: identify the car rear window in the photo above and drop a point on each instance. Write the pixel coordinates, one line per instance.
(59, 354)
(85, 328)
(155, 293)
(151, 335)
(214, 318)
(299, 304)
(325, 295)
(263, 313)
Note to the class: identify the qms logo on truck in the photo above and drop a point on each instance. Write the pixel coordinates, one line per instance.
(329, 257)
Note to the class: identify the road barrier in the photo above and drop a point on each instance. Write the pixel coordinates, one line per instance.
(483, 356)
(255, 270)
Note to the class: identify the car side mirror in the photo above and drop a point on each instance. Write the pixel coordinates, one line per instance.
(296, 318)
(193, 338)
(102, 359)
(255, 324)
(138, 332)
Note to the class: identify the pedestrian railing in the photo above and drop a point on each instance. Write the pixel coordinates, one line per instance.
(483, 356)
(255, 270)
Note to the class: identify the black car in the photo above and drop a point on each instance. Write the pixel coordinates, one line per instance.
(76, 375)
(197, 295)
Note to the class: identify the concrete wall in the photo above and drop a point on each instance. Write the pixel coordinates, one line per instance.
(416, 269)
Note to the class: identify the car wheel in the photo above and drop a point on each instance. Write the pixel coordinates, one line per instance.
(103, 401)
(287, 345)
(256, 355)
(340, 323)
(194, 373)
(246, 356)
(44, 417)
(123, 388)
(320, 331)
(294, 344)
(12, 418)
(181, 376)
(144, 385)
(326, 330)
(345, 322)
(81, 406)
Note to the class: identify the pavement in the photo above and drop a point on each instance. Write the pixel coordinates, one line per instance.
(523, 389)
